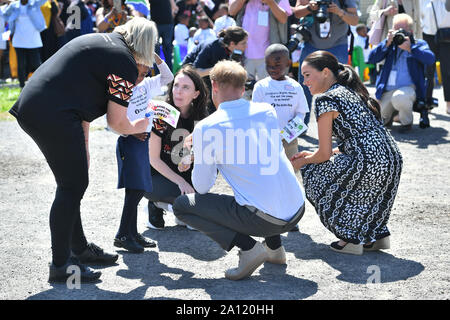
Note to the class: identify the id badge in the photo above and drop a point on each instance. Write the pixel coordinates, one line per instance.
(263, 18)
(392, 78)
(325, 29)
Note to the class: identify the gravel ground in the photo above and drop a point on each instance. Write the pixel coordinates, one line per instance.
(188, 265)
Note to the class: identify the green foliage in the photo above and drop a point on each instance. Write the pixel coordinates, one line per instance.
(8, 96)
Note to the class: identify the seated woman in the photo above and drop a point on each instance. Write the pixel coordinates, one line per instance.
(188, 93)
(354, 193)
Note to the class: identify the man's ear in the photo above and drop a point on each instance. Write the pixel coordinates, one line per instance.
(214, 85)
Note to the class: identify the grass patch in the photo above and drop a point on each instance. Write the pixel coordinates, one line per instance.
(8, 96)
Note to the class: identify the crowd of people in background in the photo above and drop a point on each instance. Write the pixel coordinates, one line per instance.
(185, 24)
(185, 42)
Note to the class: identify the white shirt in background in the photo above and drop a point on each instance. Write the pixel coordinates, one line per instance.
(203, 35)
(26, 36)
(181, 35)
(191, 44)
(223, 22)
(361, 42)
(427, 16)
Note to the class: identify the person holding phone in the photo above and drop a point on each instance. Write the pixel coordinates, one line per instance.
(113, 13)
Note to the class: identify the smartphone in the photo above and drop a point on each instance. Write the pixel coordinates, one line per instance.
(117, 4)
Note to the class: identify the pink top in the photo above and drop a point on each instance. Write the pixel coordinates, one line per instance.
(258, 34)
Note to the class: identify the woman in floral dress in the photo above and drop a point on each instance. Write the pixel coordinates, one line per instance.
(354, 191)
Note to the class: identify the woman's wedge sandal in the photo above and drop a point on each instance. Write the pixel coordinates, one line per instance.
(349, 248)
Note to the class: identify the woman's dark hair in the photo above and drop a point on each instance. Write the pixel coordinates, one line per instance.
(198, 110)
(235, 34)
(345, 75)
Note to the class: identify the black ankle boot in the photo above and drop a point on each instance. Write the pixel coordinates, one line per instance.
(128, 243)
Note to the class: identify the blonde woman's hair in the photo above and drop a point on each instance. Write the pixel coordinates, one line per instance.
(227, 72)
(140, 35)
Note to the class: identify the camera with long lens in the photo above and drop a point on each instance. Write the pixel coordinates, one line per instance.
(400, 37)
(302, 33)
(321, 15)
(425, 104)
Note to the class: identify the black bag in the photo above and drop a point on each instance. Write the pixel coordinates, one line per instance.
(442, 34)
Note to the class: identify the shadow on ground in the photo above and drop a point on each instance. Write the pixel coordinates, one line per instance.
(353, 269)
(146, 268)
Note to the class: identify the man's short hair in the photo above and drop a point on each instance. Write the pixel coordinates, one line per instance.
(276, 48)
(403, 17)
(229, 73)
(360, 26)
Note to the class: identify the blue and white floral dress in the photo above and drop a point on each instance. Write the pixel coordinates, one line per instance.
(354, 191)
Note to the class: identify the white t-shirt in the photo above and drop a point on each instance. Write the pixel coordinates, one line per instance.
(26, 35)
(428, 18)
(286, 96)
(191, 45)
(149, 88)
(2, 29)
(181, 35)
(223, 22)
(361, 42)
(202, 35)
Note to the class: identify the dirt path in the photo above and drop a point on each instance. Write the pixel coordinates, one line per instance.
(188, 265)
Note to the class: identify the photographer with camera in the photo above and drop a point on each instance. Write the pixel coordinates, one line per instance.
(230, 45)
(402, 82)
(329, 29)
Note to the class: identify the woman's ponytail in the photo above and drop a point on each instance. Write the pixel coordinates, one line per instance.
(348, 77)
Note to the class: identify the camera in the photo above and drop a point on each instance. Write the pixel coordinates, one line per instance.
(400, 36)
(425, 104)
(321, 14)
(249, 84)
(421, 105)
(432, 103)
(237, 55)
(302, 33)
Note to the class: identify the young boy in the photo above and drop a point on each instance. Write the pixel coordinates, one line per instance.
(181, 31)
(283, 93)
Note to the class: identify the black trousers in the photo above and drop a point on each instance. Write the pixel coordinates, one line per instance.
(442, 53)
(62, 143)
(28, 60)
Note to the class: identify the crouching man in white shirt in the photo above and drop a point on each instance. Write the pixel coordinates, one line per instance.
(241, 140)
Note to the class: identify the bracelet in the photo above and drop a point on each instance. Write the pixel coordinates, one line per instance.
(343, 14)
